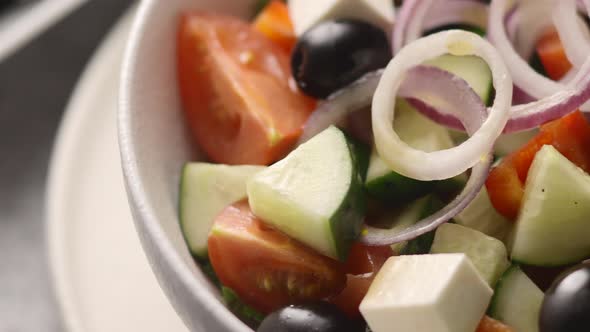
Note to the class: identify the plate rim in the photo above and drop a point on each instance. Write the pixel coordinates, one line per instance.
(99, 68)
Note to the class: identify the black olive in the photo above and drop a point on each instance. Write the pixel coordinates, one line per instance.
(310, 317)
(333, 54)
(566, 307)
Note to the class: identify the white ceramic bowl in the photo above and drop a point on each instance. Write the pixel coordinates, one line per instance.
(154, 145)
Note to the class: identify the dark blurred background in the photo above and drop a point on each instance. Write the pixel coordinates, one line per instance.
(35, 84)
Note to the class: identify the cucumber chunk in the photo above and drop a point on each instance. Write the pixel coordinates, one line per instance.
(487, 253)
(422, 244)
(517, 301)
(481, 215)
(553, 227)
(315, 194)
(420, 133)
(401, 218)
(472, 69)
(205, 189)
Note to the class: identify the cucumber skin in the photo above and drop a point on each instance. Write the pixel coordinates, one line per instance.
(396, 188)
(361, 154)
(344, 222)
(422, 244)
(342, 225)
(419, 246)
(494, 310)
(249, 315)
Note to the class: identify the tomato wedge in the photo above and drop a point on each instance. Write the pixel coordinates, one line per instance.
(488, 324)
(362, 265)
(237, 91)
(266, 268)
(552, 54)
(570, 135)
(274, 22)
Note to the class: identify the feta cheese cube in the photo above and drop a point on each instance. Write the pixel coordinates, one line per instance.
(434, 293)
(307, 13)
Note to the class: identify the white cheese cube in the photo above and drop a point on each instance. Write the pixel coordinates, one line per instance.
(307, 13)
(434, 293)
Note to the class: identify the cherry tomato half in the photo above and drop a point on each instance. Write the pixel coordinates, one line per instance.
(361, 267)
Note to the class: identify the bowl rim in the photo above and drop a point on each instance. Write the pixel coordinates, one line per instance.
(152, 236)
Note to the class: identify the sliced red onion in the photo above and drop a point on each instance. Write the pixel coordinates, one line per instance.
(452, 95)
(520, 97)
(530, 115)
(568, 77)
(455, 96)
(511, 22)
(572, 31)
(359, 95)
(575, 94)
(336, 107)
(444, 164)
(409, 20)
(530, 27)
(531, 82)
(377, 236)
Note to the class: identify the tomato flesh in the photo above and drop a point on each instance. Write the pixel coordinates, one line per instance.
(488, 324)
(274, 22)
(361, 267)
(237, 91)
(570, 135)
(266, 268)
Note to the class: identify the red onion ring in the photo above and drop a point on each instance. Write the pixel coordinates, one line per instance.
(410, 11)
(533, 114)
(359, 95)
(340, 104)
(441, 85)
(531, 82)
(568, 97)
(443, 164)
(571, 31)
(524, 39)
(377, 236)
(527, 16)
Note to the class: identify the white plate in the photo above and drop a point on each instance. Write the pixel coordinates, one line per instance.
(102, 277)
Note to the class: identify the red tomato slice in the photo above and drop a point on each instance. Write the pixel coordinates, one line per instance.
(570, 135)
(274, 22)
(351, 297)
(488, 324)
(237, 91)
(552, 55)
(266, 268)
(365, 259)
(362, 265)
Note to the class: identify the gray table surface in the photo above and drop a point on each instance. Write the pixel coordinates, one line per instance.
(35, 84)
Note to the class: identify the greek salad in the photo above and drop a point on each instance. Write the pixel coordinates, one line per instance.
(382, 166)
